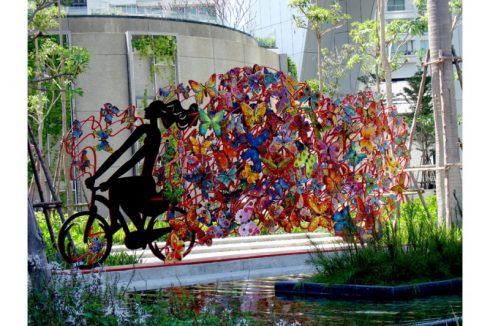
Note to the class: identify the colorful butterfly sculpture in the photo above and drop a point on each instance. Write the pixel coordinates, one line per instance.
(257, 151)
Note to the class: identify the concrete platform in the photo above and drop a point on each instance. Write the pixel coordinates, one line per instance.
(227, 259)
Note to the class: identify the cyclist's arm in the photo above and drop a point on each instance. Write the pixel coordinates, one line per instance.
(133, 138)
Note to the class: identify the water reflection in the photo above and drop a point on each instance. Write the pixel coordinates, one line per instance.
(257, 297)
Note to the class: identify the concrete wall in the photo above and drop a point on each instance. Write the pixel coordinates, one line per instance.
(202, 49)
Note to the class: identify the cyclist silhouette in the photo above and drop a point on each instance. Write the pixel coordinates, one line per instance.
(134, 194)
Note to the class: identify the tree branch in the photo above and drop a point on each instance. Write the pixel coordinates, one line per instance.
(40, 80)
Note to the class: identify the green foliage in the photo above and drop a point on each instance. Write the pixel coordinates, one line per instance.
(335, 66)
(416, 250)
(315, 16)
(160, 47)
(313, 83)
(365, 47)
(76, 232)
(266, 42)
(292, 70)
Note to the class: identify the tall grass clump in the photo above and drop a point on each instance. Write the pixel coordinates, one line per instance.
(413, 250)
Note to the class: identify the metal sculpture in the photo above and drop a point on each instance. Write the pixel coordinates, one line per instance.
(256, 151)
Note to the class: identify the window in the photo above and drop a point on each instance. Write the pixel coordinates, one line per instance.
(396, 5)
(405, 49)
(79, 3)
(424, 44)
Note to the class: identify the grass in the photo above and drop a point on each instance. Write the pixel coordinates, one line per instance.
(415, 251)
(119, 258)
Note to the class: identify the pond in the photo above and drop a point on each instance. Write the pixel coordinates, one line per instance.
(257, 298)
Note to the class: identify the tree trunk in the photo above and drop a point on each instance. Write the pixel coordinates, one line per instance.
(384, 57)
(449, 181)
(64, 129)
(319, 53)
(38, 264)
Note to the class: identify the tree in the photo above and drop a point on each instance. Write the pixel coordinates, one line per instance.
(382, 46)
(52, 69)
(238, 14)
(334, 67)
(315, 18)
(366, 45)
(448, 177)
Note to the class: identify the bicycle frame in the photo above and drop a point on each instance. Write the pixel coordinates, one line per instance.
(115, 222)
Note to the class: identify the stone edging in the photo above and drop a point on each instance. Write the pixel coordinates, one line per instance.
(371, 292)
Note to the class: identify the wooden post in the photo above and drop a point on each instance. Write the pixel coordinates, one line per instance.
(414, 124)
(458, 68)
(419, 102)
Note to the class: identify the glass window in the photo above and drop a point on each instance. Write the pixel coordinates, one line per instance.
(424, 44)
(79, 3)
(405, 49)
(396, 5)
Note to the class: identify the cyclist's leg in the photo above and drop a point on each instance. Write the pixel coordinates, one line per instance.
(132, 194)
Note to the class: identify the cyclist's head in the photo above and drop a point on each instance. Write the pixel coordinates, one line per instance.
(172, 112)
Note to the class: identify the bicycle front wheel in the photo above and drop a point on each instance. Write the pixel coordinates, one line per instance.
(91, 252)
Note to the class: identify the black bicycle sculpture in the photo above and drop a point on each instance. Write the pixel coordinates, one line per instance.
(136, 196)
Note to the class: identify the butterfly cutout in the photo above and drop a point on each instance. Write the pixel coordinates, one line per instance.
(76, 129)
(354, 157)
(209, 89)
(108, 111)
(401, 184)
(227, 177)
(342, 222)
(244, 214)
(367, 134)
(253, 116)
(210, 123)
(129, 116)
(83, 163)
(276, 168)
(332, 180)
(199, 147)
(308, 160)
(249, 175)
(349, 114)
(184, 91)
(270, 77)
(283, 98)
(280, 186)
(254, 83)
(291, 84)
(283, 142)
(328, 153)
(103, 144)
(252, 153)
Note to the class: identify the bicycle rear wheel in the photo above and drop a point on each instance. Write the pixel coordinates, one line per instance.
(91, 252)
(161, 248)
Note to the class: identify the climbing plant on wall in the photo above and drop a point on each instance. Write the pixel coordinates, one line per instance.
(158, 49)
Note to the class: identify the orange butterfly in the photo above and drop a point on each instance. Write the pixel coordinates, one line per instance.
(367, 134)
(248, 174)
(401, 185)
(209, 88)
(199, 148)
(332, 180)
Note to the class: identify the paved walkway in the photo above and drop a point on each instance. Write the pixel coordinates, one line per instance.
(227, 259)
